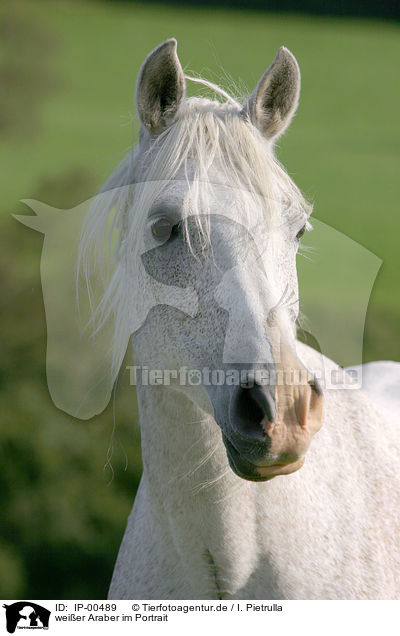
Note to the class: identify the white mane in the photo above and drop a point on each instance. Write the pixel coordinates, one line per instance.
(210, 143)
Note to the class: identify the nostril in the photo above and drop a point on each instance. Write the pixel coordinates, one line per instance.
(250, 406)
(262, 397)
(315, 386)
(247, 415)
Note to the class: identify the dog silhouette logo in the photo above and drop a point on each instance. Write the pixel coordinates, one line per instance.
(26, 615)
(93, 309)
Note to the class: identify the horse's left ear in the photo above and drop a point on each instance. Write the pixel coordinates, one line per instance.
(160, 87)
(275, 99)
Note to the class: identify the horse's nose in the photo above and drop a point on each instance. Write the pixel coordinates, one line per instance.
(252, 404)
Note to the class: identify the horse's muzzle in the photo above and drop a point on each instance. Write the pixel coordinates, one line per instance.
(271, 428)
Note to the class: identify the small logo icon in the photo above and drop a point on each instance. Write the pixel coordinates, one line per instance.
(26, 615)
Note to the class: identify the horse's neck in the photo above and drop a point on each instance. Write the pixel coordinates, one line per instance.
(190, 486)
(182, 447)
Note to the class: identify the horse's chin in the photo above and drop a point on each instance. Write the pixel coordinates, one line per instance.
(252, 472)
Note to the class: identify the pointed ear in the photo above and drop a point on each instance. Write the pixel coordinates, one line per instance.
(275, 99)
(160, 87)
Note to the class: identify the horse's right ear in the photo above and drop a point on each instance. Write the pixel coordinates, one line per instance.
(160, 87)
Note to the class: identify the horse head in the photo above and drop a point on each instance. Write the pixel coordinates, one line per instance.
(221, 219)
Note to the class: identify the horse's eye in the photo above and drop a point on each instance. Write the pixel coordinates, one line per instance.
(161, 229)
(301, 232)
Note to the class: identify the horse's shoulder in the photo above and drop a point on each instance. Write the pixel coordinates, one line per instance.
(381, 380)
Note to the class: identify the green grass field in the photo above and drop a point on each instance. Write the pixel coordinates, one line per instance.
(342, 149)
(68, 70)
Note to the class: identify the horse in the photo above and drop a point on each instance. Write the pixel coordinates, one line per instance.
(258, 481)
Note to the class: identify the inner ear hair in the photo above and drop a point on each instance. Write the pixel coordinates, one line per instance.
(275, 99)
(160, 87)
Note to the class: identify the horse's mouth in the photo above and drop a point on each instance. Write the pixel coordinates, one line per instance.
(252, 472)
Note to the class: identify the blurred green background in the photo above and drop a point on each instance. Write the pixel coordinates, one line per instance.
(67, 75)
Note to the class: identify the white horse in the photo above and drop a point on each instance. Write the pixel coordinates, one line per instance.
(230, 504)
